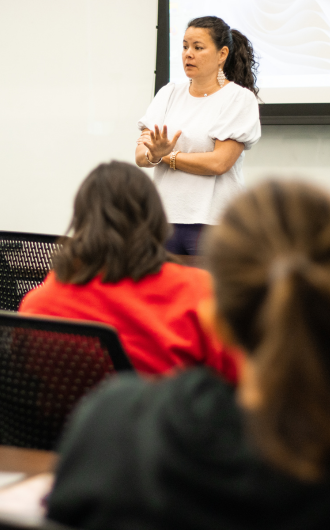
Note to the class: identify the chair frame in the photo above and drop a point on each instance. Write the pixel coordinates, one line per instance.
(106, 333)
(36, 404)
(29, 236)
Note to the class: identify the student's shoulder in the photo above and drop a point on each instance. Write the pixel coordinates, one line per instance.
(190, 284)
(39, 293)
(198, 396)
(180, 389)
(189, 274)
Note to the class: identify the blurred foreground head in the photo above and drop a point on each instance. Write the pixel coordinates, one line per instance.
(270, 259)
(118, 227)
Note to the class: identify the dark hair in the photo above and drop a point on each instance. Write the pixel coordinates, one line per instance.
(119, 228)
(241, 65)
(270, 258)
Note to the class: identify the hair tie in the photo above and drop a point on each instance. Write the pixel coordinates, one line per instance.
(284, 266)
(230, 33)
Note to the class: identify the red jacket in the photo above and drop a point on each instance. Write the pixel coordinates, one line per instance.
(156, 317)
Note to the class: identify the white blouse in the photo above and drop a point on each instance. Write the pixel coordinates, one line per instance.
(230, 113)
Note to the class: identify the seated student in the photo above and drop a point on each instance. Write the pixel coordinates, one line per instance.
(181, 453)
(116, 270)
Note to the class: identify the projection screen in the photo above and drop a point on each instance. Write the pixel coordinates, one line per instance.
(291, 39)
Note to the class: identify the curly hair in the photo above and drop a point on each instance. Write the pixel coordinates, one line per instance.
(119, 228)
(241, 65)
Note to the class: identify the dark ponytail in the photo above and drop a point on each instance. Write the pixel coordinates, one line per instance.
(241, 65)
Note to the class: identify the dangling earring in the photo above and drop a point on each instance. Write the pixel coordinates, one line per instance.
(221, 77)
(190, 81)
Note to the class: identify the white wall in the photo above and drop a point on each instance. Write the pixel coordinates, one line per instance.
(76, 75)
(290, 151)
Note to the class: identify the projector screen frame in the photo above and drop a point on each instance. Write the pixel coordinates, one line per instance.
(270, 113)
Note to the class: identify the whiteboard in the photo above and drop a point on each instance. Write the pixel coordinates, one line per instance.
(76, 75)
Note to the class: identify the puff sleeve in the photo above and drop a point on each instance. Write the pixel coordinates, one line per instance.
(156, 111)
(239, 119)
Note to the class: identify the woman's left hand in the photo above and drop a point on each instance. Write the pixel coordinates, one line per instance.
(158, 143)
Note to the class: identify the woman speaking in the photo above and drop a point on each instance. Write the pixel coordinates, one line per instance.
(195, 132)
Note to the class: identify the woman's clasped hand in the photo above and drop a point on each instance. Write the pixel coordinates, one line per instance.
(158, 143)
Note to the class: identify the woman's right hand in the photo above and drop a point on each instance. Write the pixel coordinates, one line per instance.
(158, 143)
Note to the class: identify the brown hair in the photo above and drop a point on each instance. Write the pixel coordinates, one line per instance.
(270, 258)
(119, 228)
(241, 65)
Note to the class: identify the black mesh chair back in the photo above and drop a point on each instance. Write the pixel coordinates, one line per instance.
(46, 366)
(25, 260)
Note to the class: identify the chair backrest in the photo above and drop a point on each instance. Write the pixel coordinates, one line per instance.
(46, 366)
(25, 260)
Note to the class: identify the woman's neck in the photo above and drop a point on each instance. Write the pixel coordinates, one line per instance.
(204, 88)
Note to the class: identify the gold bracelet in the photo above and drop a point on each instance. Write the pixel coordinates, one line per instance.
(172, 159)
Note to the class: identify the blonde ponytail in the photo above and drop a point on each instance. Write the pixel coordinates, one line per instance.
(270, 258)
(295, 416)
